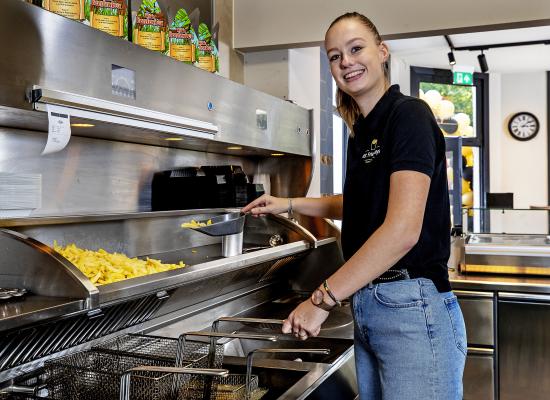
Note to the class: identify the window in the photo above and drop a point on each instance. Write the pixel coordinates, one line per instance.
(453, 107)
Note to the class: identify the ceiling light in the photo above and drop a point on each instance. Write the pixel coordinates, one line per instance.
(482, 62)
(173, 139)
(451, 56)
(234, 148)
(277, 154)
(82, 125)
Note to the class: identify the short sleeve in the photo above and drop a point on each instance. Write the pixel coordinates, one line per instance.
(414, 136)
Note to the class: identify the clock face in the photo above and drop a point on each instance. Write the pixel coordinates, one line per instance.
(523, 126)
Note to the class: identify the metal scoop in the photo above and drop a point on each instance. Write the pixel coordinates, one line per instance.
(230, 226)
(223, 225)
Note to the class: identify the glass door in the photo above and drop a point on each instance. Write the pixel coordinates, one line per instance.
(461, 111)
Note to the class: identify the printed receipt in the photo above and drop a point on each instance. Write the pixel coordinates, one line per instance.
(59, 128)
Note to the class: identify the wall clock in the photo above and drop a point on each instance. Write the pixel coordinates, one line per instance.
(523, 126)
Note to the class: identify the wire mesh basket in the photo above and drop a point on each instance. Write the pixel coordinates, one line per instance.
(180, 352)
(144, 367)
(95, 375)
(230, 387)
(15, 396)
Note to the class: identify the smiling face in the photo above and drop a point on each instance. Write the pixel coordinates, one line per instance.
(356, 58)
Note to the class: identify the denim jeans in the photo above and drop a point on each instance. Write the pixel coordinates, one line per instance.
(410, 342)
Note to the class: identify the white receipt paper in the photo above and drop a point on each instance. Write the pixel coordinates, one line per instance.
(59, 129)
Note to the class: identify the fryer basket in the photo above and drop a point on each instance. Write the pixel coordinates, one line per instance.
(180, 352)
(95, 375)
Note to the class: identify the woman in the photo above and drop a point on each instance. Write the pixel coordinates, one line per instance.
(410, 340)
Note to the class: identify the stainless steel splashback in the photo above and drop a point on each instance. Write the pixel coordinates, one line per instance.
(97, 175)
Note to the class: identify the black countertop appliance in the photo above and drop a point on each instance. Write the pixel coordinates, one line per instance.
(205, 187)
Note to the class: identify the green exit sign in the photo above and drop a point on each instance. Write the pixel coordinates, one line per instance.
(463, 75)
(463, 78)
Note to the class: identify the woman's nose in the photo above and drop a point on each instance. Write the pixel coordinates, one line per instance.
(346, 61)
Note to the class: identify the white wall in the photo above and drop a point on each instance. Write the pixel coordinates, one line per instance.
(231, 62)
(267, 71)
(400, 73)
(294, 75)
(304, 80)
(520, 167)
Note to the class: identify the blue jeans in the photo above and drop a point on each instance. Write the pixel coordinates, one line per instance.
(410, 342)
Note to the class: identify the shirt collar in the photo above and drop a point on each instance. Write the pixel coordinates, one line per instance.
(379, 112)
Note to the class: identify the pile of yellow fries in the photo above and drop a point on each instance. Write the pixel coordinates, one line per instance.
(196, 224)
(102, 267)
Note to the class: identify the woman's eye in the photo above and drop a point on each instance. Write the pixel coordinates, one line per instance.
(334, 57)
(355, 49)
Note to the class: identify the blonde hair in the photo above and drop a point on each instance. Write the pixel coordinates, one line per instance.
(345, 104)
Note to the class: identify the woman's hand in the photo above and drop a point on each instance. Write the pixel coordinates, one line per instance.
(266, 204)
(305, 321)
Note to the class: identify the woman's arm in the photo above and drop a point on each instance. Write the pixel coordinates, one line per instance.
(387, 245)
(392, 240)
(325, 207)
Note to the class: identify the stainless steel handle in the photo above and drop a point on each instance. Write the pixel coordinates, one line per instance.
(524, 297)
(20, 389)
(480, 351)
(178, 370)
(308, 351)
(212, 346)
(113, 112)
(250, 356)
(216, 323)
(469, 293)
(252, 336)
(125, 379)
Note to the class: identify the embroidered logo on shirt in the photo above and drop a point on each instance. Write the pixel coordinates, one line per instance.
(372, 153)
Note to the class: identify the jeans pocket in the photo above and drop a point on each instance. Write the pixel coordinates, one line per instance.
(398, 294)
(457, 323)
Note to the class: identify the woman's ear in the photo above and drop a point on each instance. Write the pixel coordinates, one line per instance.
(384, 52)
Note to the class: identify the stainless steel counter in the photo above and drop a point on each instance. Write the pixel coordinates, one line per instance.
(497, 283)
(506, 320)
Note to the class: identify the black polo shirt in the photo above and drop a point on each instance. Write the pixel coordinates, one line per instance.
(400, 133)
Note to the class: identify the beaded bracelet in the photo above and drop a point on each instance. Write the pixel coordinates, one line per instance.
(331, 295)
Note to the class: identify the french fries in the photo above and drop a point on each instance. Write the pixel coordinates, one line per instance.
(102, 267)
(196, 224)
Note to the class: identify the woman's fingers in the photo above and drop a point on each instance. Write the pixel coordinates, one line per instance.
(287, 324)
(259, 201)
(291, 326)
(266, 204)
(260, 210)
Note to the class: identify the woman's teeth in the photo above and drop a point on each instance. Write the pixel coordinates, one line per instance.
(353, 74)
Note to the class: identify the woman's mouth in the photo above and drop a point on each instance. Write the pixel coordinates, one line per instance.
(354, 75)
